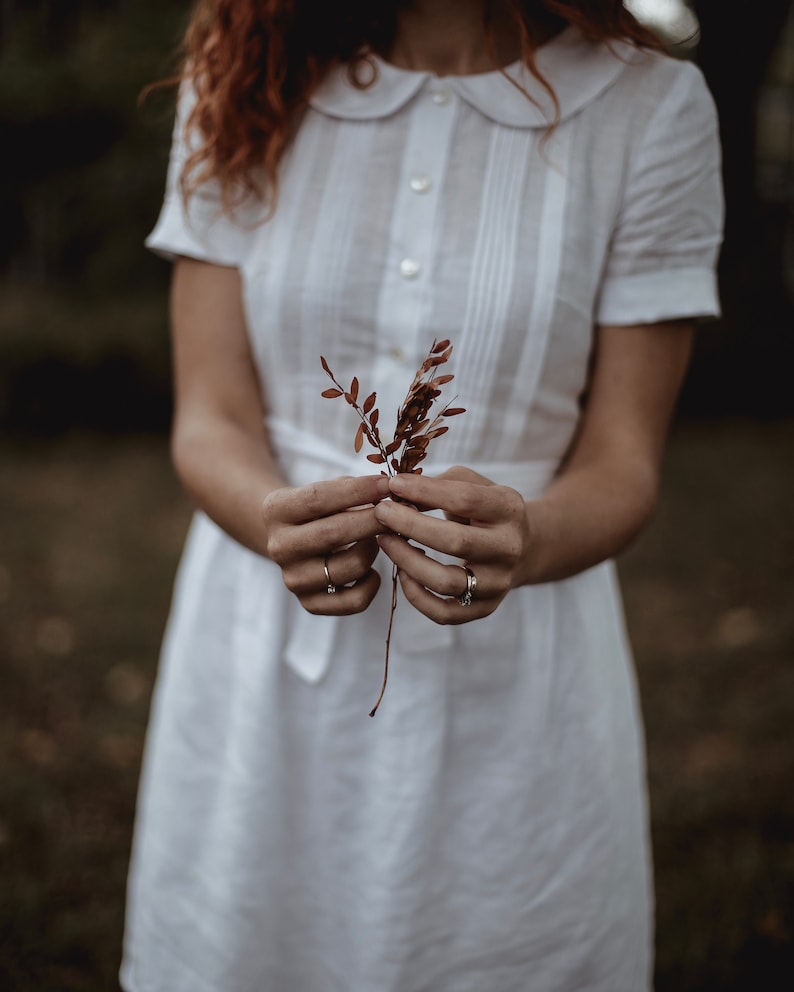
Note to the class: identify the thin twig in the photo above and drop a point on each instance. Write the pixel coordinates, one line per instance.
(374, 709)
(412, 436)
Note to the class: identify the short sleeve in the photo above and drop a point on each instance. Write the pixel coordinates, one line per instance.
(199, 229)
(663, 253)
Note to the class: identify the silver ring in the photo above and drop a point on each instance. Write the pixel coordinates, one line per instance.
(471, 587)
(330, 588)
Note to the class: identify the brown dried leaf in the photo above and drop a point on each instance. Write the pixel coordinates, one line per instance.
(413, 434)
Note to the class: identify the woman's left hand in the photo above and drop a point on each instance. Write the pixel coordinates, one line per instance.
(485, 525)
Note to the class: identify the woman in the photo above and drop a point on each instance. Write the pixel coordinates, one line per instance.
(536, 182)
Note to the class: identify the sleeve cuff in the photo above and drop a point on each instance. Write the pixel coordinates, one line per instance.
(206, 234)
(656, 296)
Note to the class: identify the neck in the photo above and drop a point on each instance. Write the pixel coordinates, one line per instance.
(447, 37)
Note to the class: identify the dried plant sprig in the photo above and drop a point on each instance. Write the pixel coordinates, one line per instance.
(417, 425)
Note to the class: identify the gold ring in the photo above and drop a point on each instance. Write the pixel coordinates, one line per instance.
(330, 587)
(471, 587)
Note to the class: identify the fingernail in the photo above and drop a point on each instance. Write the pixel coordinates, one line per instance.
(382, 486)
(397, 484)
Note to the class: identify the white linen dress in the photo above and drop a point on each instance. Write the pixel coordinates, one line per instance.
(487, 831)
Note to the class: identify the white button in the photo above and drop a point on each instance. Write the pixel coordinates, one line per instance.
(409, 268)
(420, 184)
(441, 97)
(397, 353)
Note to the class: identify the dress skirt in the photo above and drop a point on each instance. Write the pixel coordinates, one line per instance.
(487, 829)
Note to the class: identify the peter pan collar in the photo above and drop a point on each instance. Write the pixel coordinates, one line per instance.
(578, 70)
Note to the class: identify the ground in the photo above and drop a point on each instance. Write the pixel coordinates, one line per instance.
(90, 532)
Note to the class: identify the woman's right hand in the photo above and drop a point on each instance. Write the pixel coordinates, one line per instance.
(328, 524)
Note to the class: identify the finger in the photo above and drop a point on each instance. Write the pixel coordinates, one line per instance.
(328, 534)
(477, 501)
(306, 577)
(456, 518)
(293, 544)
(443, 580)
(353, 563)
(345, 601)
(321, 499)
(445, 536)
(441, 610)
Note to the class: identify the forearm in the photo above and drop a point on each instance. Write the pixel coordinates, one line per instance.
(600, 500)
(591, 512)
(227, 471)
(608, 489)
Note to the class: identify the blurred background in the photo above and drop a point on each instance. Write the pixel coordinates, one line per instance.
(92, 520)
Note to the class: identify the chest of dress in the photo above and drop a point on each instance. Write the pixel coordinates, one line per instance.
(432, 223)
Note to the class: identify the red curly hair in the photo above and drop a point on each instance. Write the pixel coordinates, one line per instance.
(253, 65)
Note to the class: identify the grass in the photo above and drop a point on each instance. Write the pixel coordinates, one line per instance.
(90, 535)
(709, 598)
(90, 532)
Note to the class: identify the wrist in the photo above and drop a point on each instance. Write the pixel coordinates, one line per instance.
(529, 571)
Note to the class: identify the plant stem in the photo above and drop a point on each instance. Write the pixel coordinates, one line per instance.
(374, 709)
(414, 431)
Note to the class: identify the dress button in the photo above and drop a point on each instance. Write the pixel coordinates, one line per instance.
(396, 353)
(441, 97)
(409, 268)
(420, 184)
